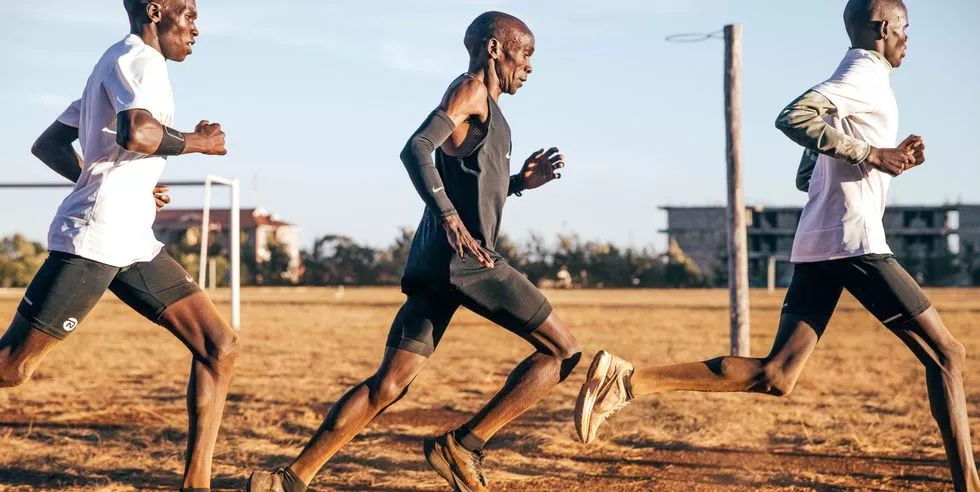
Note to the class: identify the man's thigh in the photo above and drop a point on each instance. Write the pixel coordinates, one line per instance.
(63, 292)
(883, 287)
(421, 322)
(812, 297)
(501, 294)
(151, 287)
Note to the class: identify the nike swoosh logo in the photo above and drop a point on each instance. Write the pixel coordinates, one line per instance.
(508, 155)
(437, 190)
(178, 136)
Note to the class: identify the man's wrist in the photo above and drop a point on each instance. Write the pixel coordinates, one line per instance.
(863, 152)
(516, 185)
(195, 143)
(448, 216)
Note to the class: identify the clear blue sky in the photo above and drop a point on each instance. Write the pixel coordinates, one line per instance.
(318, 97)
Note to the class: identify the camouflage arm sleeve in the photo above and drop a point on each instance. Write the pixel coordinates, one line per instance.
(803, 122)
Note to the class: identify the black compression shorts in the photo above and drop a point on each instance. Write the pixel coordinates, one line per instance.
(67, 287)
(877, 281)
(500, 294)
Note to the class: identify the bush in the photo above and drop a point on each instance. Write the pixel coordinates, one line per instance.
(20, 259)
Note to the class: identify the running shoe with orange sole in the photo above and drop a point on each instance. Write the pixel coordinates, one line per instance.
(460, 467)
(605, 392)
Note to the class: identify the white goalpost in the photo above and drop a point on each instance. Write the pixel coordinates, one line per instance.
(234, 233)
(234, 241)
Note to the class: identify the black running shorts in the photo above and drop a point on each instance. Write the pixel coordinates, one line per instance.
(67, 287)
(877, 281)
(500, 294)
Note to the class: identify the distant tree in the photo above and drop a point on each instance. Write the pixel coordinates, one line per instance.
(275, 270)
(535, 259)
(339, 260)
(20, 258)
(681, 271)
(391, 263)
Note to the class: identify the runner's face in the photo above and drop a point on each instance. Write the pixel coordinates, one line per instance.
(514, 64)
(178, 29)
(896, 36)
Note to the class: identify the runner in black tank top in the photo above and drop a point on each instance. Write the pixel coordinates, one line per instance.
(453, 263)
(477, 185)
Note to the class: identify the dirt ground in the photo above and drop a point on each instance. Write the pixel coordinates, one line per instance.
(106, 410)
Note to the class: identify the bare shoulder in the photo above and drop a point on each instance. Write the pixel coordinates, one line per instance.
(465, 97)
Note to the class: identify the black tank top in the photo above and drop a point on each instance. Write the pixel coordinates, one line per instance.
(477, 185)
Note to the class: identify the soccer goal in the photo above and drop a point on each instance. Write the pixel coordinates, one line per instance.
(234, 232)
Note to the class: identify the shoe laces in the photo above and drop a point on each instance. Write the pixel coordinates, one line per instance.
(477, 465)
(619, 405)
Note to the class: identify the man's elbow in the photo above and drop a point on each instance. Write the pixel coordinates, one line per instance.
(134, 140)
(782, 121)
(137, 131)
(38, 148)
(406, 154)
(415, 149)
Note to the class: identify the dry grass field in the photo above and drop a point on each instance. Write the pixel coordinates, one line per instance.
(106, 410)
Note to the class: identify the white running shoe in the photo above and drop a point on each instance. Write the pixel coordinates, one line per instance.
(605, 392)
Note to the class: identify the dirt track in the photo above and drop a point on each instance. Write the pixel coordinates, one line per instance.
(105, 412)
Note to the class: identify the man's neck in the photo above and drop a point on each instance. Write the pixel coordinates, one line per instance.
(877, 53)
(148, 34)
(488, 77)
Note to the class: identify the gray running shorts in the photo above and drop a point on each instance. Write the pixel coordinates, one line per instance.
(500, 294)
(67, 287)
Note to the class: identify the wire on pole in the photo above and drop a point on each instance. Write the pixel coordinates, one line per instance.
(694, 37)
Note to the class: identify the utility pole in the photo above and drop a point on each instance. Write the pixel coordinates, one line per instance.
(738, 260)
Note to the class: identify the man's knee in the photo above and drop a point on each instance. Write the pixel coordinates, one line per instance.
(776, 380)
(223, 353)
(951, 356)
(386, 391)
(569, 354)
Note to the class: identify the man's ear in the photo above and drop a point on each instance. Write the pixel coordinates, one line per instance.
(882, 29)
(154, 11)
(493, 48)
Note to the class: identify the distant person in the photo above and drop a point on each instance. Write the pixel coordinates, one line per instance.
(102, 237)
(453, 262)
(851, 120)
(564, 277)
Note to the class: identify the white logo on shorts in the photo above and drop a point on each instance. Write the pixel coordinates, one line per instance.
(70, 324)
(189, 279)
(28, 301)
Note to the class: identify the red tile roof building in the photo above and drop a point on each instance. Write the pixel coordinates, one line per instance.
(260, 230)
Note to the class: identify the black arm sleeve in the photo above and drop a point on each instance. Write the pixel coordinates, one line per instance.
(418, 161)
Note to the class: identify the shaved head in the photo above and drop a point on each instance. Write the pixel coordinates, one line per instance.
(167, 25)
(136, 9)
(501, 45)
(859, 13)
(504, 27)
(878, 25)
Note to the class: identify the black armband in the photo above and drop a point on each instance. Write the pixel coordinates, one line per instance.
(173, 142)
(516, 185)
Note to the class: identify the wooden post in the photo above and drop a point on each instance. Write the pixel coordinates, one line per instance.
(738, 260)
